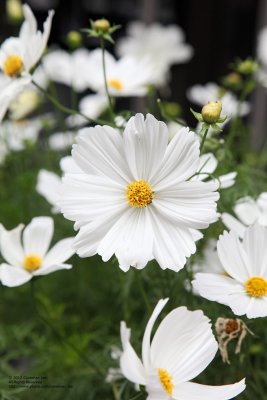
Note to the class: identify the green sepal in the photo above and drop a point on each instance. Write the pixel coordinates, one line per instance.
(197, 115)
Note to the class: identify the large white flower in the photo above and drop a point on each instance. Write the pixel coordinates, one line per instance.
(182, 347)
(134, 198)
(245, 289)
(202, 94)
(125, 77)
(31, 257)
(248, 211)
(163, 45)
(18, 55)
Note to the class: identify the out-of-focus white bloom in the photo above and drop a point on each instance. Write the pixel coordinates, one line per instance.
(16, 134)
(61, 140)
(182, 347)
(24, 104)
(69, 69)
(248, 211)
(210, 262)
(19, 54)
(125, 77)
(245, 289)
(32, 257)
(163, 45)
(202, 94)
(49, 183)
(92, 106)
(133, 197)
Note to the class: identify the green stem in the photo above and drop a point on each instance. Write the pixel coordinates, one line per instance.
(102, 45)
(68, 110)
(203, 139)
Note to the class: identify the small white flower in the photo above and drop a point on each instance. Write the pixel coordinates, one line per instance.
(202, 94)
(248, 211)
(245, 289)
(32, 257)
(163, 45)
(133, 197)
(125, 77)
(182, 347)
(16, 134)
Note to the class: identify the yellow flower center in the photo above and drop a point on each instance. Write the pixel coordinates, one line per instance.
(139, 194)
(32, 262)
(13, 65)
(256, 286)
(166, 380)
(115, 84)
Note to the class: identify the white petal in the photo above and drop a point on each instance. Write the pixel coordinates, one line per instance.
(146, 357)
(232, 223)
(180, 162)
(11, 247)
(255, 245)
(37, 236)
(247, 211)
(130, 363)
(145, 142)
(47, 269)
(48, 185)
(227, 180)
(207, 164)
(13, 276)
(257, 307)
(183, 344)
(60, 252)
(196, 391)
(233, 257)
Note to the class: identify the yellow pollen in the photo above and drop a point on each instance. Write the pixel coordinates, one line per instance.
(32, 262)
(256, 286)
(13, 65)
(139, 194)
(115, 84)
(166, 380)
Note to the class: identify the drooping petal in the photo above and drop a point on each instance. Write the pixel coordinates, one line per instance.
(13, 276)
(196, 391)
(146, 356)
(233, 257)
(60, 252)
(145, 142)
(37, 236)
(10, 245)
(130, 363)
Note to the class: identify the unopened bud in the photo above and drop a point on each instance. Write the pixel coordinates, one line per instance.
(211, 112)
(102, 25)
(74, 39)
(14, 10)
(247, 67)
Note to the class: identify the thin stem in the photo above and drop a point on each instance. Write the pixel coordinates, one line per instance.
(203, 139)
(102, 45)
(68, 110)
(143, 292)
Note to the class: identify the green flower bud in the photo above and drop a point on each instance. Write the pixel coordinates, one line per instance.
(247, 67)
(14, 11)
(102, 25)
(211, 112)
(74, 39)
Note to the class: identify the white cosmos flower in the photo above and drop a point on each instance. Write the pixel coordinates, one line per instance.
(31, 257)
(202, 94)
(49, 183)
(133, 198)
(61, 140)
(163, 45)
(125, 77)
(69, 69)
(182, 347)
(245, 289)
(19, 54)
(248, 211)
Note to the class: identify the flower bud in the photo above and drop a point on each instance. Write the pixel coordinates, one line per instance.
(14, 11)
(74, 39)
(211, 112)
(247, 67)
(102, 25)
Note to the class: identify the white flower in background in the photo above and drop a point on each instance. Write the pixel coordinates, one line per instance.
(245, 289)
(133, 198)
(32, 257)
(163, 45)
(210, 262)
(19, 54)
(69, 69)
(49, 183)
(125, 77)
(202, 94)
(92, 106)
(61, 140)
(182, 347)
(261, 46)
(248, 211)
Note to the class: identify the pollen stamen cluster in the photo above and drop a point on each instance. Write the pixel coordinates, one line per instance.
(115, 84)
(166, 380)
(256, 286)
(139, 194)
(13, 65)
(32, 262)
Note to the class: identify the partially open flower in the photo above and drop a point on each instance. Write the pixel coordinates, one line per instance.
(211, 112)
(102, 25)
